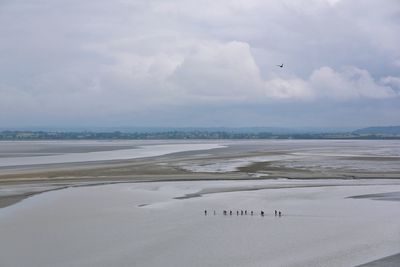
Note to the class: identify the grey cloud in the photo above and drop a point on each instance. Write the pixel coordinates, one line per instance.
(92, 61)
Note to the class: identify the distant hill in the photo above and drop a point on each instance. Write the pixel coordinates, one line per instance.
(388, 130)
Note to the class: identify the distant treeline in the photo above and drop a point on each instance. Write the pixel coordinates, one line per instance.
(388, 130)
(180, 135)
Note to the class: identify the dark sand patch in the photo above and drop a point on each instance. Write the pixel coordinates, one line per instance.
(372, 158)
(390, 196)
(187, 196)
(10, 200)
(390, 261)
(268, 167)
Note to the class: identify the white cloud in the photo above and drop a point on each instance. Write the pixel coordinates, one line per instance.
(225, 71)
(393, 82)
(350, 83)
(327, 84)
(228, 72)
(289, 89)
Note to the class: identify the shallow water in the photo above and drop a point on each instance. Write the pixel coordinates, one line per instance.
(145, 225)
(105, 153)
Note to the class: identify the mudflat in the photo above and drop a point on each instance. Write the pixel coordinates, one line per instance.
(330, 193)
(109, 162)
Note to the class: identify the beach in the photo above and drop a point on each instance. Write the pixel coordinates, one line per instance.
(339, 201)
(71, 163)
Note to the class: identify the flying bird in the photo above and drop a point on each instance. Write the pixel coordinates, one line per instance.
(280, 66)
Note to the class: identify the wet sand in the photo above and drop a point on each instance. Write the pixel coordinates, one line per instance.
(237, 160)
(361, 169)
(390, 261)
(9, 200)
(388, 196)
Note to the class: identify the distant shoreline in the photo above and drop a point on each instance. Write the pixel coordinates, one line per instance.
(193, 135)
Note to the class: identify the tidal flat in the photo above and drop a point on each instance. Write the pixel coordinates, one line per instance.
(142, 203)
(162, 224)
(28, 167)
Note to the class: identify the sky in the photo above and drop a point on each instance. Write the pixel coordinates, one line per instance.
(200, 63)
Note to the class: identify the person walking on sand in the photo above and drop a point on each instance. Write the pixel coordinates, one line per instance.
(280, 213)
(230, 212)
(205, 212)
(262, 213)
(237, 213)
(251, 213)
(276, 212)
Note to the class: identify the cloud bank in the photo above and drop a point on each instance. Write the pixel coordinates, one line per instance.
(198, 63)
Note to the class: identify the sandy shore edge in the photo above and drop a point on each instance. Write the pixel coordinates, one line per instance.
(390, 261)
(31, 186)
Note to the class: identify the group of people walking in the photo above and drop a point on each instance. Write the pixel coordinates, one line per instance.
(243, 212)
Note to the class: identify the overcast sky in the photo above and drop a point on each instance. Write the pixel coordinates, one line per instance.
(199, 63)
